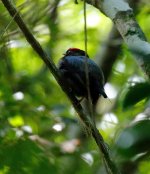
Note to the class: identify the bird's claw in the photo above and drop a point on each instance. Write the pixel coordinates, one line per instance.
(79, 101)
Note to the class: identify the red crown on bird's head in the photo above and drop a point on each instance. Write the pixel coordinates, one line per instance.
(74, 51)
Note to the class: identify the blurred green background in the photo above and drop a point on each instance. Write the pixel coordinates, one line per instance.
(39, 130)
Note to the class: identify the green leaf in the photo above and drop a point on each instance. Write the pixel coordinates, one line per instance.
(134, 139)
(23, 156)
(135, 94)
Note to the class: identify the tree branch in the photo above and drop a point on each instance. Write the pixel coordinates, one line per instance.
(48, 61)
(122, 16)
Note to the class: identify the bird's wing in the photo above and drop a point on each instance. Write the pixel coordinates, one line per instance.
(70, 68)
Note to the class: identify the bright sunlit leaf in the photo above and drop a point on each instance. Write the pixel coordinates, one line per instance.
(16, 121)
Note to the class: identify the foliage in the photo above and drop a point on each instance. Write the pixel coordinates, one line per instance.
(136, 93)
(39, 130)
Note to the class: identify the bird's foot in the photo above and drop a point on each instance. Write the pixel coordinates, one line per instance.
(80, 100)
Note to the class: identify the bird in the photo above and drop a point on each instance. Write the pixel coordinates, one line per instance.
(72, 69)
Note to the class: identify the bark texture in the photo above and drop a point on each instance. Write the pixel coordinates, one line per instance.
(122, 16)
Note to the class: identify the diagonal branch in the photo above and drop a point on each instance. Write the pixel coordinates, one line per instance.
(123, 17)
(53, 69)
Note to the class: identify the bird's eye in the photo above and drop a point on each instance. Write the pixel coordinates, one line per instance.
(68, 52)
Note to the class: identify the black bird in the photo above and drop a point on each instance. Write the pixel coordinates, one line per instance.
(72, 67)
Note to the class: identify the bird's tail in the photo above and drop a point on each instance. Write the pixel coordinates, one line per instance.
(102, 92)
